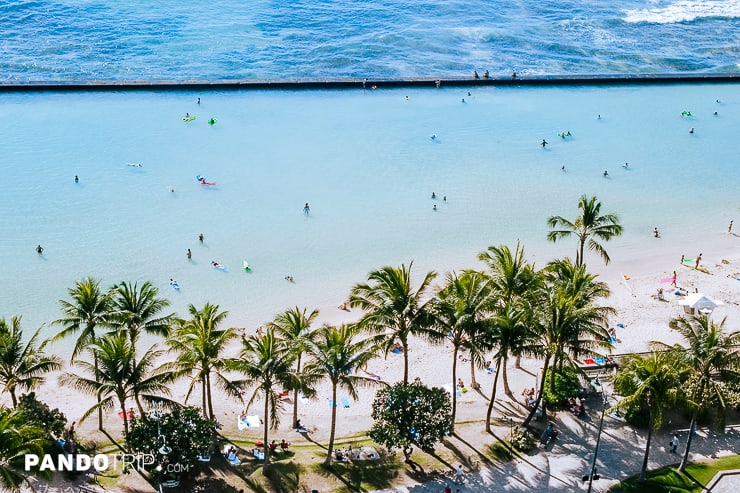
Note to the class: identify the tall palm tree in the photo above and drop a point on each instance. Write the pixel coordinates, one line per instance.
(294, 325)
(652, 383)
(137, 309)
(392, 304)
(336, 354)
(267, 362)
(588, 225)
(460, 310)
(713, 358)
(88, 309)
(507, 333)
(120, 377)
(513, 280)
(22, 365)
(199, 344)
(14, 445)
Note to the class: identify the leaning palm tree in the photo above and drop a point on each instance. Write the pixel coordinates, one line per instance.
(15, 444)
(337, 353)
(138, 309)
(394, 309)
(88, 309)
(460, 311)
(652, 384)
(200, 344)
(22, 365)
(588, 225)
(267, 362)
(294, 325)
(713, 358)
(120, 377)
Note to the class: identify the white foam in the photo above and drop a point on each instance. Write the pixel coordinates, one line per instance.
(684, 11)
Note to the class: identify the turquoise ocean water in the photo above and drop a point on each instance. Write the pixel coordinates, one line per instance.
(73, 40)
(367, 165)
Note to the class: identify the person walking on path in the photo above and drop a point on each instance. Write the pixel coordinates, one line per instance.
(459, 474)
(674, 444)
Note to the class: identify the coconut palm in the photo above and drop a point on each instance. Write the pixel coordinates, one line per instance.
(507, 333)
(88, 309)
(460, 311)
(267, 363)
(337, 353)
(394, 309)
(294, 325)
(137, 309)
(653, 384)
(120, 377)
(14, 445)
(713, 358)
(199, 344)
(588, 225)
(22, 365)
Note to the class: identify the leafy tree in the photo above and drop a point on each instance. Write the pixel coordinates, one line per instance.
(712, 355)
(652, 383)
(460, 310)
(337, 355)
(199, 345)
(22, 365)
(394, 310)
(37, 413)
(267, 363)
(88, 309)
(566, 385)
(120, 377)
(294, 325)
(588, 225)
(183, 434)
(407, 415)
(17, 439)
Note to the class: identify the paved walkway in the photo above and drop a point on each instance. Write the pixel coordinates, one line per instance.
(560, 467)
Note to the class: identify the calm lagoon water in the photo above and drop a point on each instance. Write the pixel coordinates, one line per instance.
(367, 165)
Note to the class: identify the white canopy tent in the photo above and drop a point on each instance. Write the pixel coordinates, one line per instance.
(700, 303)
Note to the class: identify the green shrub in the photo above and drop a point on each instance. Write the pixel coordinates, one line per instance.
(566, 385)
(522, 440)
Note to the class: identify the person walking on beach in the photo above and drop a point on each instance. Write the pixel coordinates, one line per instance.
(674, 279)
(656, 233)
(698, 259)
(729, 228)
(39, 249)
(674, 444)
(306, 209)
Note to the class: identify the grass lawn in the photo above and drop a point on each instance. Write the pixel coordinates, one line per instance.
(665, 479)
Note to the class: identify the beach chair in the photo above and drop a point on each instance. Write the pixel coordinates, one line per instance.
(345, 402)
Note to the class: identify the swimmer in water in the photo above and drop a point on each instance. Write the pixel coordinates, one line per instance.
(306, 209)
(625, 165)
(562, 168)
(433, 137)
(444, 199)
(692, 130)
(200, 237)
(189, 254)
(434, 195)
(435, 207)
(606, 173)
(198, 100)
(39, 249)
(544, 143)
(77, 179)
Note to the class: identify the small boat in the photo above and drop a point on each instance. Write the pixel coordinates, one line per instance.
(246, 265)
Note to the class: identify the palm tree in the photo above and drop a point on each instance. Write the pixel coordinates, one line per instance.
(120, 377)
(652, 383)
(713, 358)
(391, 304)
(337, 354)
(294, 325)
(267, 362)
(460, 311)
(88, 309)
(587, 225)
(15, 444)
(137, 309)
(22, 366)
(507, 333)
(199, 345)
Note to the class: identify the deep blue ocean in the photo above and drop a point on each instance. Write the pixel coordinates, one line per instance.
(86, 40)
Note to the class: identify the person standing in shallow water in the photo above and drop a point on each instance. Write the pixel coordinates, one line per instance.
(189, 254)
(200, 237)
(77, 179)
(39, 249)
(306, 209)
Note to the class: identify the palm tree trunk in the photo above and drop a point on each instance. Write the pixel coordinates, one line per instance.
(518, 362)
(210, 397)
(138, 404)
(333, 422)
(643, 470)
(454, 388)
(295, 394)
(203, 397)
(579, 254)
(505, 378)
(98, 395)
(685, 458)
(12, 397)
(473, 382)
(265, 446)
(493, 397)
(125, 416)
(405, 344)
(539, 397)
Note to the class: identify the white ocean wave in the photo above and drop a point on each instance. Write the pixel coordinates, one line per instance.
(684, 11)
